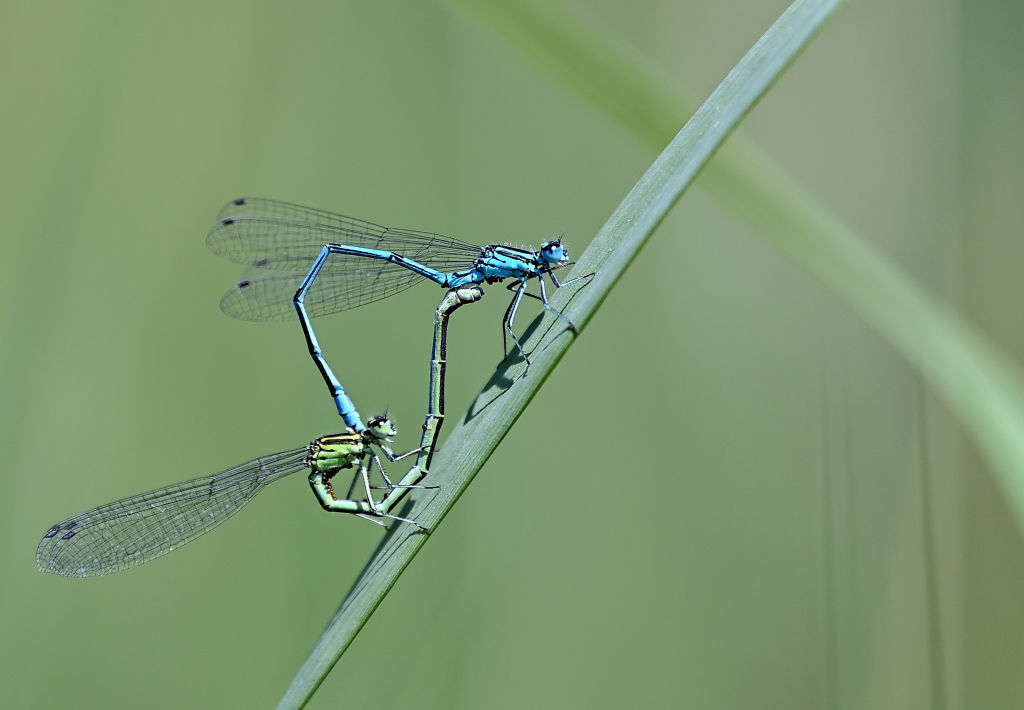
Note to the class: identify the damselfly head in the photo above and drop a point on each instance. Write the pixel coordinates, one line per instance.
(380, 427)
(554, 253)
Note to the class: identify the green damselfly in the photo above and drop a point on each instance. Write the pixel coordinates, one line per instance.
(129, 532)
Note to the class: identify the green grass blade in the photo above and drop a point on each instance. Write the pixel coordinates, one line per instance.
(593, 63)
(472, 442)
(977, 381)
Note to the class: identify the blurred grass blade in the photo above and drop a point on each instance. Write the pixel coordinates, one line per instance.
(981, 386)
(608, 73)
(499, 405)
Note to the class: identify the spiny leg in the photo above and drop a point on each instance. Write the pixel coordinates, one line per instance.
(547, 304)
(389, 485)
(543, 298)
(373, 519)
(510, 315)
(364, 473)
(392, 456)
(558, 284)
(570, 282)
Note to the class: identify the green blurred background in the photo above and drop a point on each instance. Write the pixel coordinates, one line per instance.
(764, 507)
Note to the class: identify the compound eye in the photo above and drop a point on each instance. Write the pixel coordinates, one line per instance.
(380, 423)
(552, 251)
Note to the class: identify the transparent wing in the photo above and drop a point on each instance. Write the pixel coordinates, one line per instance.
(129, 532)
(279, 242)
(350, 281)
(284, 237)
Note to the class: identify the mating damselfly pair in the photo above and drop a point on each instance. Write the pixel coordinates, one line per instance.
(312, 263)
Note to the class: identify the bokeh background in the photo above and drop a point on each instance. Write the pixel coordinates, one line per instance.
(730, 494)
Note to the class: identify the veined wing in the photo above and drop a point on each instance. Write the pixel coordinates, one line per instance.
(345, 282)
(281, 236)
(120, 535)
